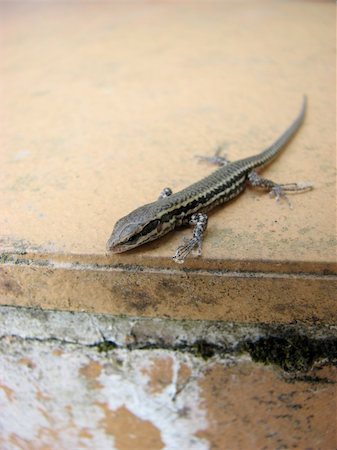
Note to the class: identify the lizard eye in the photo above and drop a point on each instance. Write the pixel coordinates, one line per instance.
(150, 227)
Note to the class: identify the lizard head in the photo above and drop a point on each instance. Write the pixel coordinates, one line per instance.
(140, 226)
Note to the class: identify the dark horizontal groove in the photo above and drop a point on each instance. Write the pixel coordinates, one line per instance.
(13, 260)
(291, 351)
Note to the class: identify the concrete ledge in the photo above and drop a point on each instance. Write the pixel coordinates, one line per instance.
(242, 296)
(95, 125)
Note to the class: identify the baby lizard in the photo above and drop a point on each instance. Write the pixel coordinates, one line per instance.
(190, 205)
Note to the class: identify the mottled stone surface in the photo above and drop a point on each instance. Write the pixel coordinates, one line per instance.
(75, 380)
(58, 395)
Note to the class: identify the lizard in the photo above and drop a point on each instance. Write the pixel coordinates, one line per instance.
(191, 205)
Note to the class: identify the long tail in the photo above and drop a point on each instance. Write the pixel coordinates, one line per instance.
(269, 153)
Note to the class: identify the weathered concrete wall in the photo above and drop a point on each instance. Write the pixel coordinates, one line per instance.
(74, 380)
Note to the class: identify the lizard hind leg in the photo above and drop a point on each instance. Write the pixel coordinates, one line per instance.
(218, 159)
(200, 221)
(279, 191)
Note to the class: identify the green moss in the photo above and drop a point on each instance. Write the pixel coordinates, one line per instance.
(291, 351)
(294, 348)
(4, 257)
(203, 349)
(105, 346)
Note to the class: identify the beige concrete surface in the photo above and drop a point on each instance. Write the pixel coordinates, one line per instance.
(103, 105)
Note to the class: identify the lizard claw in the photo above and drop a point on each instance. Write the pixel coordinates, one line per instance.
(200, 221)
(278, 192)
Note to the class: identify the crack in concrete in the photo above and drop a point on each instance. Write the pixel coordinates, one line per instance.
(286, 353)
(293, 348)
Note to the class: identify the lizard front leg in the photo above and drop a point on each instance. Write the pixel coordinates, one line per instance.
(200, 221)
(166, 192)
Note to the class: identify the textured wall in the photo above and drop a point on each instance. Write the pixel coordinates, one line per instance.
(96, 382)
